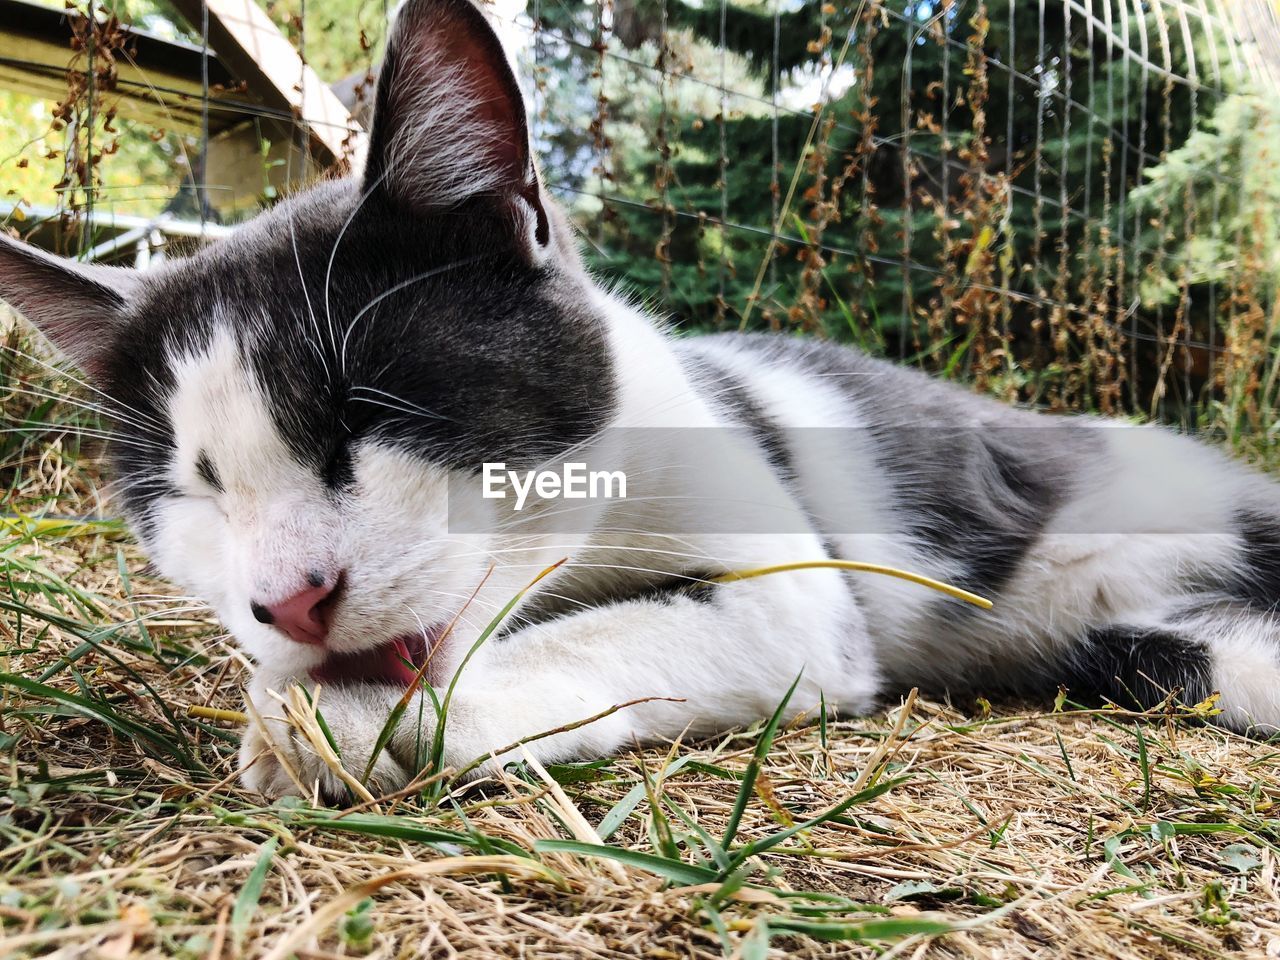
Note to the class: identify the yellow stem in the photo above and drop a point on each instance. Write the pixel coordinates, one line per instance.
(924, 581)
(213, 713)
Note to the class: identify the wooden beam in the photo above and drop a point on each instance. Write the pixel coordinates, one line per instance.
(254, 50)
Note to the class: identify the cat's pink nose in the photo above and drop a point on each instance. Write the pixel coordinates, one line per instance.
(303, 617)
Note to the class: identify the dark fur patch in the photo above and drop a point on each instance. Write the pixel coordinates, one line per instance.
(991, 543)
(136, 376)
(1259, 583)
(1138, 667)
(730, 391)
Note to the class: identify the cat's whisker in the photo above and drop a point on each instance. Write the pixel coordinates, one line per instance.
(163, 598)
(479, 602)
(333, 252)
(411, 407)
(62, 372)
(80, 404)
(306, 293)
(80, 432)
(405, 410)
(95, 410)
(628, 568)
(116, 490)
(391, 291)
(574, 563)
(793, 513)
(574, 551)
(167, 612)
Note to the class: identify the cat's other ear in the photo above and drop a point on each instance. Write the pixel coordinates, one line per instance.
(449, 122)
(78, 306)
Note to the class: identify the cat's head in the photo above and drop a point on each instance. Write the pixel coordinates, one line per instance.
(291, 400)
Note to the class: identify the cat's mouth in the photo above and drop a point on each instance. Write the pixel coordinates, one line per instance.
(398, 662)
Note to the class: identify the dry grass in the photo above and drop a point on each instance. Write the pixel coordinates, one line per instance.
(1069, 834)
(1039, 835)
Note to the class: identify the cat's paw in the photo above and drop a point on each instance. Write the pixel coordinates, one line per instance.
(285, 750)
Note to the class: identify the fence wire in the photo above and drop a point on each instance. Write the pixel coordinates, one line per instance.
(1070, 203)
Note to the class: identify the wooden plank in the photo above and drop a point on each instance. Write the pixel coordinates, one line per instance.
(255, 50)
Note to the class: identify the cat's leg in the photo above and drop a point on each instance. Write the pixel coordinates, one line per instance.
(722, 656)
(1196, 650)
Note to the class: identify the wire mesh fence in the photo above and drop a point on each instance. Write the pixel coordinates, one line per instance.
(1073, 203)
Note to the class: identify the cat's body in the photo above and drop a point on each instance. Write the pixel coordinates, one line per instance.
(299, 405)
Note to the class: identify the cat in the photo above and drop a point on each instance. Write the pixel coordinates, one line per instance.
(303, 409)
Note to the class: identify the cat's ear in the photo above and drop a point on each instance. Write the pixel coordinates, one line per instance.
(78, 306)
(449, 122)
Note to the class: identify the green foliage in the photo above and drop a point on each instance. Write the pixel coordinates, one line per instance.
(357, 927)
(977, 193)
(336, 37)
(1213, 198)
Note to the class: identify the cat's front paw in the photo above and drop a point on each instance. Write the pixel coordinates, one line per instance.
(298, 746)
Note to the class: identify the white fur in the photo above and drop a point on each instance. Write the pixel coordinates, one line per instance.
(1245, 674)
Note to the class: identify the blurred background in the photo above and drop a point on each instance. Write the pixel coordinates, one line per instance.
(1069, 203)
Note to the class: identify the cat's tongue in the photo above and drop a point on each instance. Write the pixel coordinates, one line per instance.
(395, 662)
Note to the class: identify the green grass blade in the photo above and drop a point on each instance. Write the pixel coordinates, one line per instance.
(618, 814)
(1144, 764)
(763, 743)
(718, 853)
(247, 900)
(402, 828)
(96, 710)
(822, 722)
(677, 871)
(437, 741)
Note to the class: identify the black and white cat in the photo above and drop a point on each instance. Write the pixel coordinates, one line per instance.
(295, 404)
